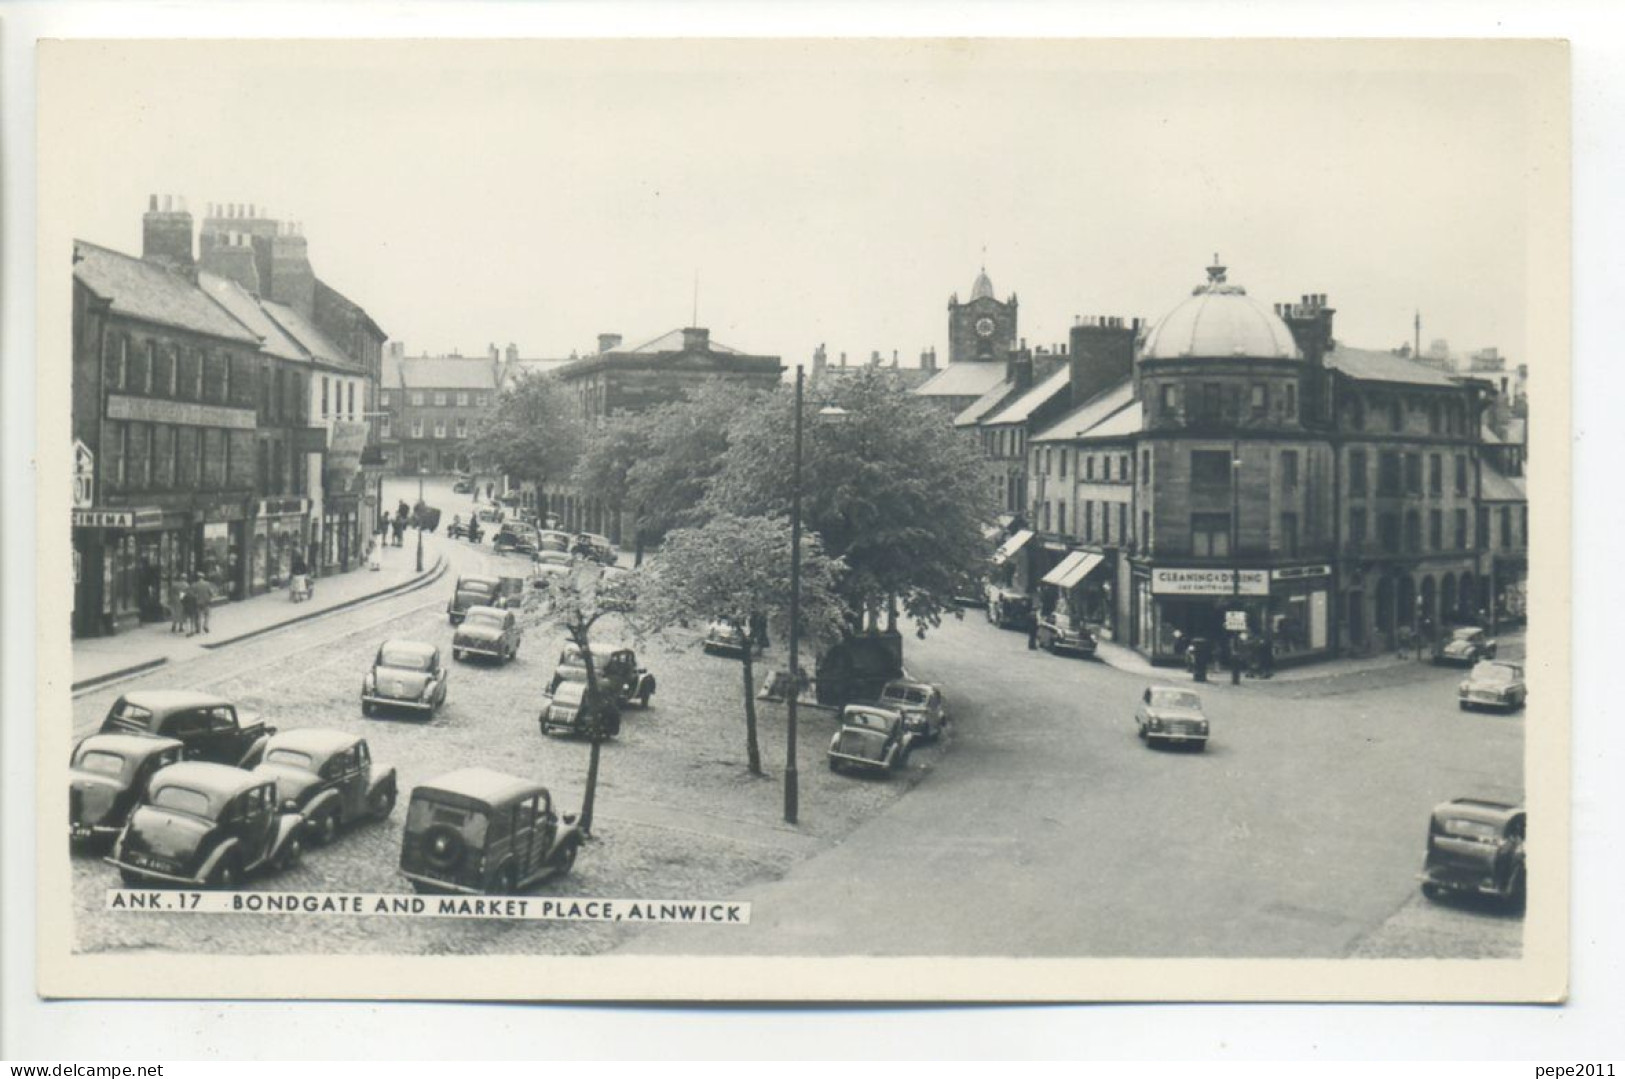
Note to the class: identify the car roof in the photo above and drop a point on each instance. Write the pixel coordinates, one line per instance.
(409, 646)
(594, 536)
(476, 578)
(220, 779)
(1477, 809)
(482, 785)
(911, 683)
(601, 648)
(483, 609)
(129, 745)
(323, 741)
(167, 700)
(874, 709)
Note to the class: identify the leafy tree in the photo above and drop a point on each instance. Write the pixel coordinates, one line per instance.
(895, 492)
(607, 455)
(575, 603)
(738, 569)
(534, 432)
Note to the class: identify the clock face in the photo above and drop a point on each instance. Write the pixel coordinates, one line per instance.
(984, 327)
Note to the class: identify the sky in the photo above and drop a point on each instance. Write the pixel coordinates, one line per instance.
(544, 192)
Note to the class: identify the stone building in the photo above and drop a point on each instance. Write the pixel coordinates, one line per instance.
(431, 405)
(981, 334)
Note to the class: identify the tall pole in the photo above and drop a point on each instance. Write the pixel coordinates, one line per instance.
(791, 780)
(1235, 552)
(420, 519)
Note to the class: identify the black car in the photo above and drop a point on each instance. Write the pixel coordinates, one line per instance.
(329, 778)
(1476, 846)
(210, 727)
(479, 831)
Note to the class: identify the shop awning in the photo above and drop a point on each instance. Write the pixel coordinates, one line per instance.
(1010, 546)
(1073, 569)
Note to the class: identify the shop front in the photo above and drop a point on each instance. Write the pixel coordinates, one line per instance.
(1290, 607)
(1012, 564)
(1078, 593)
(113, 589)
(279, 531)
(341, 532)
(220, 541)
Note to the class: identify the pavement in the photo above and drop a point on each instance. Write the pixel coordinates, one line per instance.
(100, 660)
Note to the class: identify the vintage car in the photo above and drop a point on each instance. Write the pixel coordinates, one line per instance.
(1008, 609)
(490, 515)
(405, 674)
(515, 536)
(616, 667)
(463, 486)
(550, 557)
(543, 575)
(1493, 684)
(923, 707)
(107, 775)
(596, 547)
(480, 831)
(554, 540)
(870, 739)
(564, 711)
(1465, 646)
(486, 631)
(1169, 714)
(206, 825)
(210, 727)
(328, 778)
(724, 638)
(482, 590)
(1476, 846)
(1057, 634)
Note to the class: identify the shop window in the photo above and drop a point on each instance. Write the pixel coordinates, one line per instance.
(1435, 474)
(1210, 535)
(1357, 527)
(1413, 473)
(1436, 530)
(1357, 474)
(1289, 469)
(1210, 469)
(1289, 534)
(1461, 473)
(1461, 530)
(1388, 474)
(1388, 532)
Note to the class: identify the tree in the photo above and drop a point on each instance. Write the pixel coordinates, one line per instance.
(607, 455)
(893, 491)
(534, 432)
(576, 602)
(738, 569)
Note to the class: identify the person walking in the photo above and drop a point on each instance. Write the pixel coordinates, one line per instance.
(203, 597)
(177, 605)
(189, 606)
(1032, 630)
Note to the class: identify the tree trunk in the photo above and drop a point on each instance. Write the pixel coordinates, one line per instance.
(753, 751)
(592, 787)
(637, 553)
(590, 701)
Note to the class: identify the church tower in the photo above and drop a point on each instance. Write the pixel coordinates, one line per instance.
(983, 329)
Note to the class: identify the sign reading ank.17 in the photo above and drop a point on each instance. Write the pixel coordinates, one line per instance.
(1210, 582)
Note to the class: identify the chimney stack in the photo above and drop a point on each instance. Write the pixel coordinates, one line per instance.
(512, 353)
(292, 281)
(1018, 368)
(1100, 354)
(229, 255)
(609, 342)
(166, 235)
(696, 339)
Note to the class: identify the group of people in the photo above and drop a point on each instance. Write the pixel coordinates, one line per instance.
(395, 527)
(189, 603)
(1249, 653)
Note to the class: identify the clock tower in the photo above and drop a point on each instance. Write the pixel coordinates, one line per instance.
(983, 329)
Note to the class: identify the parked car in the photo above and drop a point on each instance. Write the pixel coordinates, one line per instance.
(1057, 634)
(1465, 646)
(480, 831)
(870, 739)
(405, 674)
(616, 667)
(922, 705)
(1168, 714)
(490, 515)
(487, 631)
(482, 590)
(554, 540)
(515, 536)
(723, 638)
(210, 727)
(1008, 609)
(544, 574)
(596, 547)
(463, 486)
(208, 825)
(564, 711)
(107, 775)
(1476, 846)
(328, 778)
(1493, 684)
(549, 557)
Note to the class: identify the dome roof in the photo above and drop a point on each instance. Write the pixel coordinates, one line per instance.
(983, 289)
(1219, 320)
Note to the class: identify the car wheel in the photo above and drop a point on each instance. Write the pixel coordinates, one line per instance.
(327, 828)
(368, 708)
(131, 880)
(835, 766)
(1518, 892)
(457, 654)
(1462, 705)
(225, 875)
(507, 882)
(1432, 891)
(566, 860)
(382, 803)
(291, 854)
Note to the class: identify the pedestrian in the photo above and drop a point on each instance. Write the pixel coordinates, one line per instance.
(203, 593)
(1201, 653)
(177, 605)
(189, 606)
(1266, 658)
(490, 489)
(1032, 630)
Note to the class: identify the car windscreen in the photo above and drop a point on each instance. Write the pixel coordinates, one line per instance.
(484, 618)
(183, 800)
(868, 721)
(129, 715)
(1466, 634)
(1494, 672)
(100, 762)
(425, 813)
(1175, 698)
(1471, 829)
(406, 659)
(291, 757)
(905, 694)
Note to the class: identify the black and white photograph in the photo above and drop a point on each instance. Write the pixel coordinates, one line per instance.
(835, 520)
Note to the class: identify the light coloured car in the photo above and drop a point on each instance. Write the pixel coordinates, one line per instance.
(405, 674)
(922, 705)
(1170, 715)
(1493, 684)
(1465, 646)
(486, 631)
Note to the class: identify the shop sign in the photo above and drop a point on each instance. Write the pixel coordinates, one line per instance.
(185, 413)
(1235, 621)
(1298, 573)
(1210, 582)
(231, 511)
(104, 518)
(282, 507)
(84, 476)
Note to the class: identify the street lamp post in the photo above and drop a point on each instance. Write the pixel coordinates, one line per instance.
(421, 470)
(792, 796)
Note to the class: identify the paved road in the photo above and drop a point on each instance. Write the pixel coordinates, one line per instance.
(1050, 830)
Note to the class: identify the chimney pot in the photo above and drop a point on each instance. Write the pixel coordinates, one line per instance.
(169, 203)
(152, 203)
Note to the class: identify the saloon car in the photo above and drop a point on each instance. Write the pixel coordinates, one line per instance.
(329, 779)
(207, 825)
(478, 831)
(870, 739)
(486, 631)
(405, 674)
(1465, 646)
(210, 727)
(1493, 684)
(107, 775)
(1057, 634)
(564, 711)
(553, 540)
(724, 638)
(616, 667)
(1007, 609)
(922, 705)
(1166, 714)
(592, 545)
(516, 536)
(1476, 846)
(549, 557)
(463, 486)
(482, 590)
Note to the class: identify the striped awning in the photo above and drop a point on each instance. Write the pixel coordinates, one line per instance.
(1073, 569)
(1010, 546)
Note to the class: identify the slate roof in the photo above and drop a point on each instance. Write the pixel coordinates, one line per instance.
(1085, 417)
(1494, 487)
(1021, 409)
(151, 292)
(312, 340)
(964, 379)
(245, 308)
(1376, 365)
(448, 373)
(1124, 423)
(972, 413)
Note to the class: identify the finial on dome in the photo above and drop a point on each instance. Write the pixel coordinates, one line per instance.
(1215, 272)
